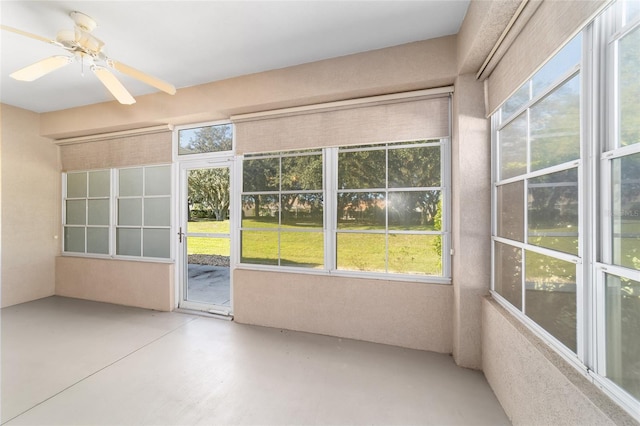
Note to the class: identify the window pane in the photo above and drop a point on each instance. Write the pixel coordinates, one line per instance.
(130, 182)
(631, 10)
(626, 211)
(510, 211)
(157, 180)
(261, 175)
(130, 212)
(302, 210)
(417, 211)
(99, 183)
(205, 139)
(623, 333)
(552, 211)
(259, 247)
(508, 273)
(629, 88)
(555, 127)
(361, 210)
(516, 101)
(128, 242)
(98, 212)
(560, 64)
(76, 212)
(302, 173)
(303, 249)
(74, 239)
(157, 212)
(513, 148)
(414, 167)
(76, 185)
(361, 170)
(415, 254)
(156, 243)
(260, 211)
(361, 252)
(550, 298)
(98, 240)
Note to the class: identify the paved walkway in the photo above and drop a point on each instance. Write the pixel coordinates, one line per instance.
(209, 284)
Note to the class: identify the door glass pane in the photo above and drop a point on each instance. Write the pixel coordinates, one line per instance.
(302, 249)
(205, 139)
(552, 211)
(508, 273)
(130, 212)
(361, 210)
(415, 210)
(156, 243)
(414, 167)
(302, 173)
(98, 240)
(76, 185)
(555, 127)
(157, 212)
(550, 298)
(259, 247)
(98, 212)
(128, 242)
(415, 254)
(74, 239)
(362, 170)
(99, 183)
(361, 252)
(157, 180)
(76, 212)
(510, 214)
(629, 88)
(513, 148)
(623, 333)
(130, 182)
(626, 211)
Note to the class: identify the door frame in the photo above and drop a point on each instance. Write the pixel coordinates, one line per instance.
(181, 273)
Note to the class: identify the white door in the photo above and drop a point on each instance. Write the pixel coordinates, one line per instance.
(204, 236)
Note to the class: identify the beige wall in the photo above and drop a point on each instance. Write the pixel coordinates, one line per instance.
(30, 207)
(408, 314)
(534, 384)
(142, 284)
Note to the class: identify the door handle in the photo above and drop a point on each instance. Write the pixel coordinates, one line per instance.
(180, 235)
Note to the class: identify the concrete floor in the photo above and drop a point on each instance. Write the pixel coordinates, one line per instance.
(209, 284)
(68, 361)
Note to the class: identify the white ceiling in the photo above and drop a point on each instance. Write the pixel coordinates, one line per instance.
(193, 42)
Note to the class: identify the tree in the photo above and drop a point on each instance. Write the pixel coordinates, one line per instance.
(209, 139)
(210, 188)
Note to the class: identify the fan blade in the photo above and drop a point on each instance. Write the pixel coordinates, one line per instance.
(113, 85)
(145, 78)
(30, 35)
(40, 68)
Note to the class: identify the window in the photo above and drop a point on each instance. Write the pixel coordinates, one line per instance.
(200, 140)
(382, 203)
(577, 287)
(140, 206)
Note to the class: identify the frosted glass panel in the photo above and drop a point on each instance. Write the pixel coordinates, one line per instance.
(99, 183)
(76, 185)
(98, 240)
(157, 180)
(130, 182)
(76, 212)
(98, 212)
(74, 240)
(128, 242)
(130, 212)
(156, 243)
(157, 212)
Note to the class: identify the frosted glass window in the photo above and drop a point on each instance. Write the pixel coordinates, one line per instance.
(130, 212)
(99, 183)
(130, 182)
(156, 243)
(98, 240)
(157, 180)
(76, 185)
(157, 212)
(74, 239)
(76, 212)
(98, 212)
(128, 242)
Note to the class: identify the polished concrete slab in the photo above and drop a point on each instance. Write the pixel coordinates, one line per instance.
(67, 361)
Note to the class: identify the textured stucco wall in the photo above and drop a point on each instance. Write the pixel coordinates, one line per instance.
(30, 207)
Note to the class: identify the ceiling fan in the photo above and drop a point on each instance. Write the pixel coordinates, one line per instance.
(86, 49)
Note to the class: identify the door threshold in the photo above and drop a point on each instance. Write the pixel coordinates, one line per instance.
(209, 314)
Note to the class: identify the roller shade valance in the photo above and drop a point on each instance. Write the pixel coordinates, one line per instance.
(382, 119)
(546, 30)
